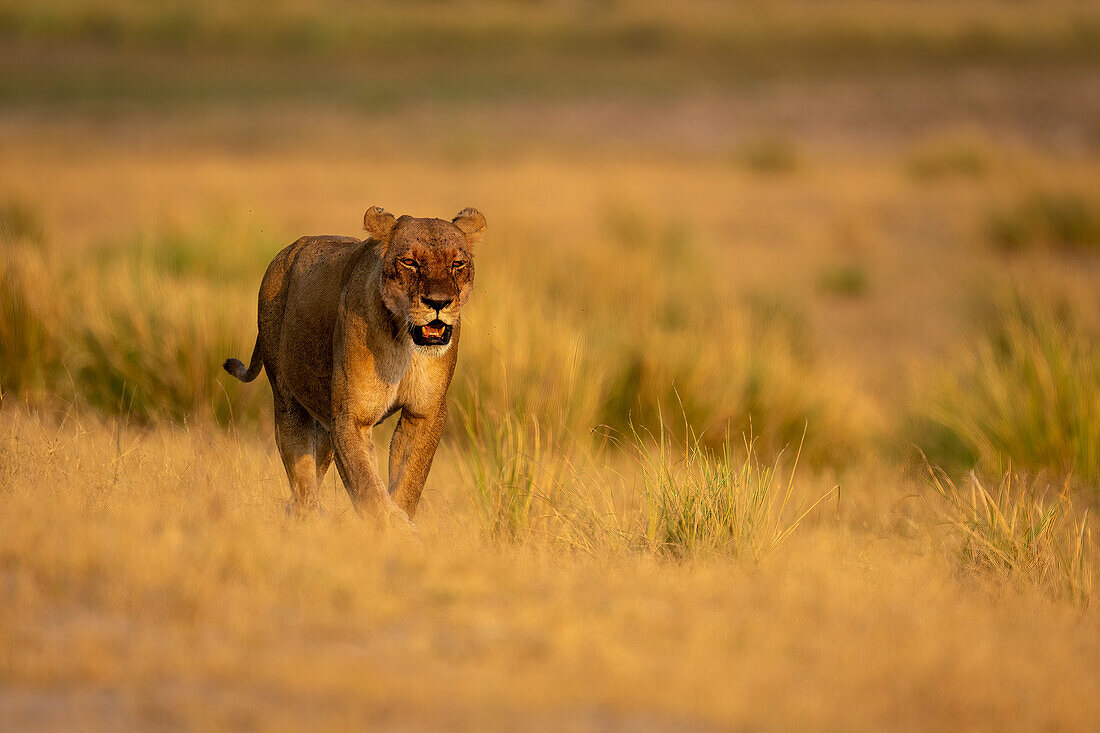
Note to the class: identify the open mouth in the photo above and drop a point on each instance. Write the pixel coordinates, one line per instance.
(436, 333)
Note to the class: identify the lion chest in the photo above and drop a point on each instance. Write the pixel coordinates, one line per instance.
(422, 387)
(378, 383)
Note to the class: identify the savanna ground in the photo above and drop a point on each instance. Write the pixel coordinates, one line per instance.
(778, 404)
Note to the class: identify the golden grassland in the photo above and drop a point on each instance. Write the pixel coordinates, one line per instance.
(151, 580)
(611, 288)
(778, 404)
(571, 572)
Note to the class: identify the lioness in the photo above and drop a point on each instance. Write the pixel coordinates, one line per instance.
(352, 331)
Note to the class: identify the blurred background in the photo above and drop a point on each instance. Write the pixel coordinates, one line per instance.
(878, 221)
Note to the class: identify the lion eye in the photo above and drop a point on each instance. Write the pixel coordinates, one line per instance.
(459, 264)
(409, 262)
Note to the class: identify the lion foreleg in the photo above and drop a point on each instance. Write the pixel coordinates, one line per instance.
(411, 453)
(353, 441)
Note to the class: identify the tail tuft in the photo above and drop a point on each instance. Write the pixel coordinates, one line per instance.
(235, 367)
(246, 374)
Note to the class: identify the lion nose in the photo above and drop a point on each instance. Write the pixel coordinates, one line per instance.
(437, 304)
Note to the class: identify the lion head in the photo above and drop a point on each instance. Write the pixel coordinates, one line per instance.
(427, 270)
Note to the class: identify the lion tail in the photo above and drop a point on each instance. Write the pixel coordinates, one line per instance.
(236, 366)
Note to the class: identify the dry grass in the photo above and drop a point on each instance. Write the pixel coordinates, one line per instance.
(515, 478)
(166, 588)
(148, 352)
(1024, 394)
(953, 158)
(595, 588)
(1060, 220)
(181, 300)
(698, 502)
(1024, 535)
(558, 586)
(642, 492)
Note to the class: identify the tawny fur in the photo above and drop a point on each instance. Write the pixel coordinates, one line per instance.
(335, 319)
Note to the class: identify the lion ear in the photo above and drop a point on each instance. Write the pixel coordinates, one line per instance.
(379, 223)
(472, 223)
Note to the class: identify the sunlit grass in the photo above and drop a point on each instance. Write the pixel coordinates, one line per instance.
(1025, 394)
(181, 300)
(684, 500)
(768, 156)
(698, 501)
(515, 478)
(20, 222)
(1020, 532)
(151, 351)
(29, 350)
(1061, 220)
(847, 280)
(952, 158)
(158, 561)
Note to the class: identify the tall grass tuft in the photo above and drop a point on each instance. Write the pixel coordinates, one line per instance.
(948, 159)
(19, 222)
(701, 502)
(1019, 533)
(1060, 220)
(1026, 391)
(847, 281)
(768, 156)
(514, 477)
(29, 349)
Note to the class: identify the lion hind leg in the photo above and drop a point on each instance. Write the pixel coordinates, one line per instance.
(322, 452)
(298, 437)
